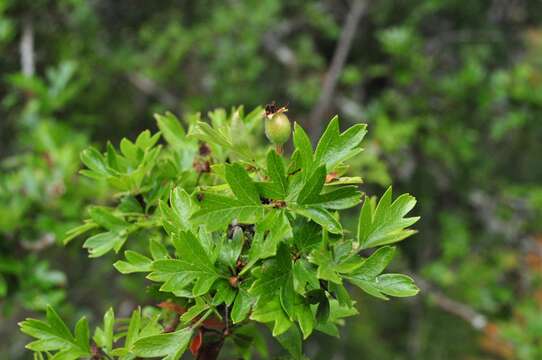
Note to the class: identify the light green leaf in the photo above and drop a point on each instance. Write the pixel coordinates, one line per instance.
(303, 148)
(182, 207)
(102, 243)
(194, 311)
(79, 230)
(171, 129)
(334, 147)
(375, 264)
(54, 335)
(386, 223)
(104, 217)
(135, 263)
(82, 335)
(95, 161)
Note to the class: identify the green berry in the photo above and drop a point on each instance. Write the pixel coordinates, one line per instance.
(278, 128)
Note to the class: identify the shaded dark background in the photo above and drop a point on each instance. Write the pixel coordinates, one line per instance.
(451, 91)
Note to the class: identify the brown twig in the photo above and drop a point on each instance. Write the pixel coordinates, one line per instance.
(150, 87)
(477, 320)
(331, 78)
(26, 48)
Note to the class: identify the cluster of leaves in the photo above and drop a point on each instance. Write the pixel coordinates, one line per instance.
(234, 237)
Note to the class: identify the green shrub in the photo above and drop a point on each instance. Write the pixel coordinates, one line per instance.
(230, 234)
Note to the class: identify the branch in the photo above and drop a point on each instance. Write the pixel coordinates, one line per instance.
(26, 48)
(272, 43)
(475, 319)
(150, 88)
(344, 45)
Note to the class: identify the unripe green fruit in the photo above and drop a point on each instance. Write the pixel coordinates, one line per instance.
(278, 128)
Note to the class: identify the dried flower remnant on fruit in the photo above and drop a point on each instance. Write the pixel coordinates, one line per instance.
(277, 124)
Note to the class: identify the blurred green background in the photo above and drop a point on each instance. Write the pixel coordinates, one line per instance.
(451, 91)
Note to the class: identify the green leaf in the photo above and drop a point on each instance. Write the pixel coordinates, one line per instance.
(171, 129)
(334, 147)
(338, 199)
(135, 263)
(303, 148)
(397, 285)
(158, 250)
(204, 132)
(386, 223)
(271, 312)
(291, 341)
(321, 216)
(296, 307)
(304, 277)
(375, 264)
(104, 217)
(54, 335)
(171, 345)
(225, 293)
(241, 306)
(133, 328)
(313, 186)
(231, 248)
(82, 334)
(277, 173)
(109, 323)
(102, 243)
(327, 266)
(95, 161)
(242, 185)
(307, 235)
(79, 230)
(274, 275)
(194, 265)
(182, 207)
(194, 311)
(273, 229)
(217, 211)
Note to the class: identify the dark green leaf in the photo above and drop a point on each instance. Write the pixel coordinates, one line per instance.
(277, 173)
(171, 345)
(242, 185)
(313, 186)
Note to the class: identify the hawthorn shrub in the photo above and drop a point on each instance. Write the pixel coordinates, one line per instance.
(234, 234)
